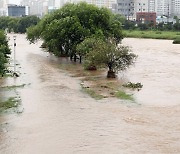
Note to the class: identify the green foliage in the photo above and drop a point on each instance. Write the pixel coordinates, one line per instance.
(65, 28)
(127, 24)
(106, 54)
(143, 26)
(4, 52)
(176, 26)
(18, 25)
(33, 34)
(123, 95)
(3, 60)
(170, 35)
(92, 93)
(10, 103)
(26, 22)
(133, 85)
(176, 41)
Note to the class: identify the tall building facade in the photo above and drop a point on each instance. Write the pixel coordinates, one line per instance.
(4, 7)
(163, 7)
(99, 3)
(167, 8)
(37, 7)
(141, 5)
(124, 7)
(129, 8)
(16, 11)
(176, 8)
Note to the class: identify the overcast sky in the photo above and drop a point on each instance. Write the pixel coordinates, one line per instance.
(14, 1)
(18, 2)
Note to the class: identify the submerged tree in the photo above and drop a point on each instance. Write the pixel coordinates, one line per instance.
(98, 52)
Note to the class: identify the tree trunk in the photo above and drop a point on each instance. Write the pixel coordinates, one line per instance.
(80, 59)
(92, 68)
(71, 57)
(111, 74)
(75, 57)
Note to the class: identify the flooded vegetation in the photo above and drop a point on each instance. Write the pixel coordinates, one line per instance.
(58, 117)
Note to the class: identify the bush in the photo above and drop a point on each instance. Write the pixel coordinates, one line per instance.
(106, 53)
(4, 52)
(176, 41)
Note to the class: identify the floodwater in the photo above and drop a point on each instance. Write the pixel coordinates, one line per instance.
(59, 118)
(157, 68)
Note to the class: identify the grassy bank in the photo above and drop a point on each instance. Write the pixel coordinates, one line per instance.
(95, 83)
(12, 102)
(168, 35)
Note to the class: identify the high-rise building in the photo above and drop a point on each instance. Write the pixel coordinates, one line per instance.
(51, 3)
(152, 6)
(129, 8)
(99, 3)
(16, 11)
(37, 7)
(3, 7)
(167, 8)
(124, 7)
(163, 7)
(62, 3)
(176, 8)
(141, 6)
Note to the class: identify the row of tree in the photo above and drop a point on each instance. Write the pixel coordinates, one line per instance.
(162, 26)
(17, 25)
(4, 52)
(86, 32)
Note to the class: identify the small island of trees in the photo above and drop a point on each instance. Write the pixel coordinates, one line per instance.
(85, 32)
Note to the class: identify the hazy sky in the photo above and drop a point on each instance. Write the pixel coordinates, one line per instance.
(18, 2)
(14, 1)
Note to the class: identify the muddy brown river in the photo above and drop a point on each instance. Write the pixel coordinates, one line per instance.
(58, 118)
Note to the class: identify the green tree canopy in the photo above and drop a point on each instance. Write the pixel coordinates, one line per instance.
(26, 22)
(19, 24)
(4, 51)
(107, 53)
(65, 28)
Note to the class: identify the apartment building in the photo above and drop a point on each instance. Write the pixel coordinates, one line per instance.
(124, 7)
(99, 3)
(141, 6)
(176, 8)
(16, 10)
(129, 8)
(169, 8)
(38, 7)
(3, 7)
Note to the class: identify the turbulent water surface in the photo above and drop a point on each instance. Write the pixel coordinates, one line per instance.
(59, 118)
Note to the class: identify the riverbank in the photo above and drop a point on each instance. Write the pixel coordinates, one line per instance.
(167, 35)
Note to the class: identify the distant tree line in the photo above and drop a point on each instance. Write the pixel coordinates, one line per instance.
(18, 24)
(162, 26)
(4, 52)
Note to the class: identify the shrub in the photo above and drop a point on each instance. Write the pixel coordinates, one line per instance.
(176, 41)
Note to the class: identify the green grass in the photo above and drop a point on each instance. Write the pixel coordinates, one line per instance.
(123, 95)
(168, 35)
(12, 102)
(92, 93)
(13, 86)
(176, 41)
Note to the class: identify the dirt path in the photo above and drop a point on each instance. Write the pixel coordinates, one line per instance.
(59, 118)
